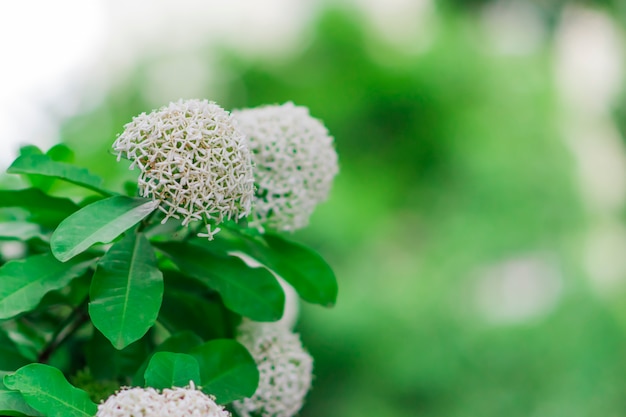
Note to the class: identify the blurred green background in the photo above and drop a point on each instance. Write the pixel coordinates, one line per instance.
(479, 263)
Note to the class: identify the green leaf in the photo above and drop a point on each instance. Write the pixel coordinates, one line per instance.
(44, 209)
(13, 404)
(186, 311)
(61, 153)
(10, 356)
(30, 150)
(101, 221)
(303, 268)
(126, 291)
(26, 281)
(46, 166)
(18, 230)
(90, 199)
(226, 370)
(46, 390)
(187, 303)
(251, 292)
(167, 369)
(181, 342)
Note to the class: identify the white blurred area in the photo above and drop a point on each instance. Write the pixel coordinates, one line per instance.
(514, 27)
(590, 73)
(519, 289)
(51, 49)
(44, 46)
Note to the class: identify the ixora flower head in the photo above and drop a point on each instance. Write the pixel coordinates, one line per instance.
(285, 370)
(148, 402)
(296, 163)
(193, 160)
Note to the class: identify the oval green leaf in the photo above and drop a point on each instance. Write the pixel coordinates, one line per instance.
(46, 390)
(167, 369)
(226, 370)
(181, 342)
(99, 222)
(251, 292)
(26, 281)
(303, 268)
(46, 166)
(126, 291)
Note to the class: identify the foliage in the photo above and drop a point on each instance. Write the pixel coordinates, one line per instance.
(92, 281)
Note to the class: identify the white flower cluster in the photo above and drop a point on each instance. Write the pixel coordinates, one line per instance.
(285, 370)
(193, 160)
(148, 402)
(295, 160)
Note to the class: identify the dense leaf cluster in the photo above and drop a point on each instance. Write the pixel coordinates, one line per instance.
(105, 295)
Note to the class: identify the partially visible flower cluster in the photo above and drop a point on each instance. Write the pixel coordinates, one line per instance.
(193, 160)
(285, 370)
(148, 402)
(295, 160)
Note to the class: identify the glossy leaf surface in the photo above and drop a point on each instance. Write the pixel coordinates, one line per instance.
(99, 222)
(300, 266)
(303, 268)
(46, 390)
(126, 291)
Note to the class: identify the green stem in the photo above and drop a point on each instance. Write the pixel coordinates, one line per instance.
(68, 327)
